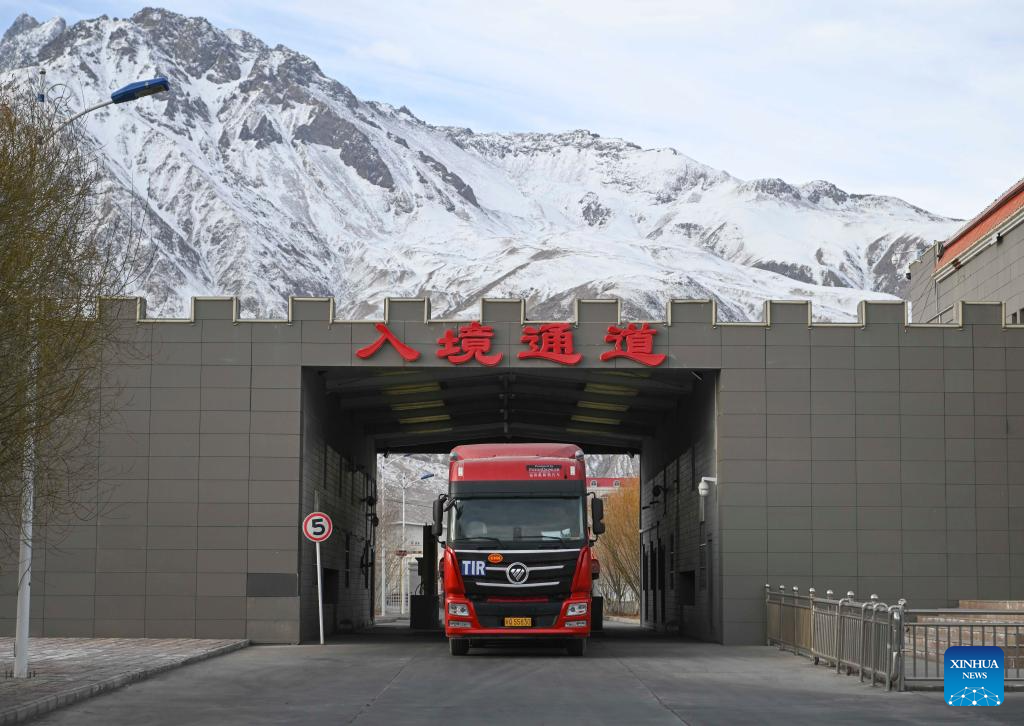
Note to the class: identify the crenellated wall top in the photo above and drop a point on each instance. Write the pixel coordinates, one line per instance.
(607, 311)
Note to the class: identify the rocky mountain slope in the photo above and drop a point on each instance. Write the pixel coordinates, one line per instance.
(261, 177)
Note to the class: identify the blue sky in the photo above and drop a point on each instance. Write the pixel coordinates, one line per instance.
(923, 99)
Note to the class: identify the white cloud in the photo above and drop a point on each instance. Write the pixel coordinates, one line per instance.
(916, 98)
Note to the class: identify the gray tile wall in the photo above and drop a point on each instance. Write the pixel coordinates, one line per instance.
(676, 459)
(338, 473)
(888, 459)
(994, 275)
(923, 293)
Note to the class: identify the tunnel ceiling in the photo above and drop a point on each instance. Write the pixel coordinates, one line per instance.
(432, 410)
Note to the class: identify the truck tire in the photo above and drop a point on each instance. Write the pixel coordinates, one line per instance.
(597, 614)
(577, 647)
(458, 646)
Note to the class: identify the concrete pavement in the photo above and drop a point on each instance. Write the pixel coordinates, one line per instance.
(628, 677)
(67, 670)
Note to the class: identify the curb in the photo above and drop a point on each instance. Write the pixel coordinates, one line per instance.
(24, 712)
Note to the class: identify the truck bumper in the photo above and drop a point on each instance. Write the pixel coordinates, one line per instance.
(464, 614)
(517, 633)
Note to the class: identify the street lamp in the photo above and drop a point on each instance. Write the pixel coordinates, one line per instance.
(125, 94)
(703, 489)
(405, 543)
(131, 92)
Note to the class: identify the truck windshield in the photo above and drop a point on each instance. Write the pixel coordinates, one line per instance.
(537, 521)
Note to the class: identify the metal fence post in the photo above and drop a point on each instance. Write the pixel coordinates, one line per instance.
(830, 596)
(870, 633)
(879, 661)
(839, 627)
(796, 617)
(814, 626)
(782, 608)
(861, 649)
(767, 603)
(902, 660)
(894, 657)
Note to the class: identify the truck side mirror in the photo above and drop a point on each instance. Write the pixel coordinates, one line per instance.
(438, 526)
(597, 515)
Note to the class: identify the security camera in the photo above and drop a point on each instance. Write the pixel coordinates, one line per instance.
(705, 485)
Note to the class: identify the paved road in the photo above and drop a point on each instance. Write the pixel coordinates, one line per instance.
(73, 669)
(627, 678)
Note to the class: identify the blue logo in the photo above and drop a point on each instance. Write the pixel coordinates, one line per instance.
(473, 568)
(973, 675)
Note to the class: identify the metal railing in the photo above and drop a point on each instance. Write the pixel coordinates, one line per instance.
(394, 601)
(927, 634)
(851, 636)
(887, 644)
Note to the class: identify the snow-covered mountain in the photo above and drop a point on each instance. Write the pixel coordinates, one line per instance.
(262, 177)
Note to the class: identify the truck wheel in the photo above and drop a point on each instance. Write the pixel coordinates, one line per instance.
(458, 646)
(577, 646)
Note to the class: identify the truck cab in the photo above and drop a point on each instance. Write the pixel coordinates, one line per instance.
(517, 560)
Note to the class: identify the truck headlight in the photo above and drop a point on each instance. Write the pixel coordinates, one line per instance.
(458, 624)
(576, 608)
(576, 624)
(459, 608)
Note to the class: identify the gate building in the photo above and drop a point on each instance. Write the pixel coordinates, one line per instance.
(878, 456)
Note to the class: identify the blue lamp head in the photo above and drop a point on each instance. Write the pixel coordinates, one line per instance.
(135, 91)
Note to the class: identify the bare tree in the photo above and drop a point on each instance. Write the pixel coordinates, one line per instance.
(64, 244)
(618, 549)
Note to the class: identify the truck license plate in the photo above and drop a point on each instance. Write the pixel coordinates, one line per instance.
(518, 622)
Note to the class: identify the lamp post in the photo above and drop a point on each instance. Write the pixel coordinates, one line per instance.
(131, 92)
(404, 588)
(125, 94)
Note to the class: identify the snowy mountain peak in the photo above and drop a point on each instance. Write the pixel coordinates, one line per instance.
(262, 177)
(25, 37)
(23, 23)
(817, 190)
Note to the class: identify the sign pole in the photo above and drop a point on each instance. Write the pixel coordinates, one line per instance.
(320, 592)
(317, 527)
(319, 574)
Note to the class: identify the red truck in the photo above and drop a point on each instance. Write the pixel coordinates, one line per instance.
(517, 560)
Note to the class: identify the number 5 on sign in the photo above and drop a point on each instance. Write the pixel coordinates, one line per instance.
(317, 527)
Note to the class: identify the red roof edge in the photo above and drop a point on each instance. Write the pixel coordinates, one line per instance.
(1004, 206)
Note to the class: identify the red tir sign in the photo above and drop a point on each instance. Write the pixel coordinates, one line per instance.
(317, 526)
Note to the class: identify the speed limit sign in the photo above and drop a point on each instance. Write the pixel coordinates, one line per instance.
(317, 526)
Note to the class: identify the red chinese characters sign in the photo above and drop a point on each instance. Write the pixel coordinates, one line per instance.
(386, 336)
(636, 344)
(552, 341)
(548, 341)
(473, 341)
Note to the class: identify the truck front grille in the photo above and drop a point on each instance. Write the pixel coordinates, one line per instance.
(549, 573)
